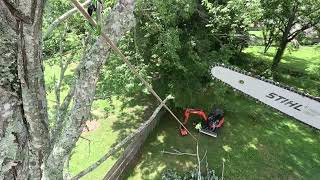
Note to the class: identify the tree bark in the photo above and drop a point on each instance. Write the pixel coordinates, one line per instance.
(24, 123)
(13, 129)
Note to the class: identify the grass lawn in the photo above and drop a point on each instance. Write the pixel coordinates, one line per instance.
(305, 59)
(256, 141)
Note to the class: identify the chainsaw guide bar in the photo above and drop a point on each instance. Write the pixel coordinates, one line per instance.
(285, 99)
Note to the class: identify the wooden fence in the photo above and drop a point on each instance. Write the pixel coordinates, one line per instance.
(132, 152)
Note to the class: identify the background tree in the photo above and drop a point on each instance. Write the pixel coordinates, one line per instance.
(291, 18)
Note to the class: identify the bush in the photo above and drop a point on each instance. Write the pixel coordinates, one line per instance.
(192, 175)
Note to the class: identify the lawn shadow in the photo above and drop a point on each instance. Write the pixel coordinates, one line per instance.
(293, 63)
(268, 54)
(132, 113)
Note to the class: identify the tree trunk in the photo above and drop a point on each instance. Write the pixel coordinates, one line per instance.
(268, 43)
(268, 38)
(266, 47)
(278, 56)
(283, 43)
(23, 109)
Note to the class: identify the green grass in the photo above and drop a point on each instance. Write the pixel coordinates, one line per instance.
(255, 141)
(305, 59)
(101, 140)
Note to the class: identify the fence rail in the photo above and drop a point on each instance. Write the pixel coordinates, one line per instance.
(132, 152)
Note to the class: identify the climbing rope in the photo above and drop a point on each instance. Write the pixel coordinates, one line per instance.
(127, 62)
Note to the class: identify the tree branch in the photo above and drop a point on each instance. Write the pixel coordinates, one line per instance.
(66, 173)
(178, 153)
(62, 18)
(61, 116)
(63, 68)
(304, 27)
(222, 173)
(31, 81)
(17, 12)
(114, 47)
(204, 156)
(297, 32)
(63, 108)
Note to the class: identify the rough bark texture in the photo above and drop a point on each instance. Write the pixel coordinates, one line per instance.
(120, 20)
(23, 118)
(13, 132)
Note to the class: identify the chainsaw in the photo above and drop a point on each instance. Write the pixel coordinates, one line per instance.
(285, 99)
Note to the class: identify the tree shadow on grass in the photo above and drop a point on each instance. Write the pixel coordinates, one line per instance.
(290, 64)
(293, 63)
(258, 64)
(133, 112)
(165, 137)
(303, 83)
(268, 54)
